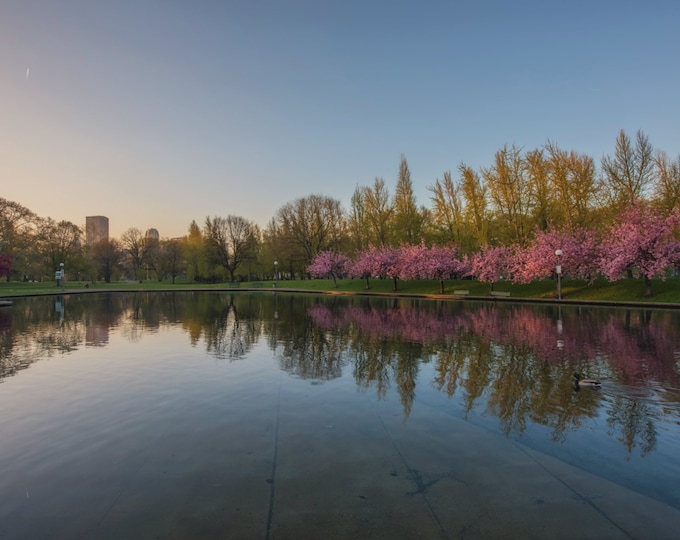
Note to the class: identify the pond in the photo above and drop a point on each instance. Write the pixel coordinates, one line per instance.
(239, 415)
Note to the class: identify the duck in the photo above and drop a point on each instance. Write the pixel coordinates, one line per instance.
(583, 383)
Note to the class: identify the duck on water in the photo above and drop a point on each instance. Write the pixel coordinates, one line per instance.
(585, 383)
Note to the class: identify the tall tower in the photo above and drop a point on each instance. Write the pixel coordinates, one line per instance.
(96, 229)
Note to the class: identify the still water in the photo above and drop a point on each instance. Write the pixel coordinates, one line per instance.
(220, 415)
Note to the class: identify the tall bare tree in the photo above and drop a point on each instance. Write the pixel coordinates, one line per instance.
(630, 172)
(135, 244)
(510, 193)
(542, 200)
(171, 261)
(475, 211)
(379, 212)
(575, 189)
(230, 241)
(357, 222)
(408, 223)
(310, 225)
(447, 211)
(667, 181)
(153, 255)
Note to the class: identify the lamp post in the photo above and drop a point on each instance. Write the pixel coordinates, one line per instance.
(59, 274)
(276, 273)
(558, 271)
(63, 275)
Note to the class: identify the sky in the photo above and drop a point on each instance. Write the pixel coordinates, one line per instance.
(155, 113)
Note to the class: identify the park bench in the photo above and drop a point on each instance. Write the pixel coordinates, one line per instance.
(461, 292)
(500, 293)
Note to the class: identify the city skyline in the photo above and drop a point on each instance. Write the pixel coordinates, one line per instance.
(159, 114)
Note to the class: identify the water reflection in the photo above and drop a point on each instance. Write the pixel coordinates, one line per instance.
(514, 361)
(518, 363)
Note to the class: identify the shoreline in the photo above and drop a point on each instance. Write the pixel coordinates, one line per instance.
(423, 296)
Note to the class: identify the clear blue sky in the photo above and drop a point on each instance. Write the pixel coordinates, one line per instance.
(155, 113)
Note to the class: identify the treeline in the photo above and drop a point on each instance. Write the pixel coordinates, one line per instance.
(520, 195)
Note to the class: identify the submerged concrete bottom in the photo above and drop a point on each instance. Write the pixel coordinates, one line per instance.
(315, 473)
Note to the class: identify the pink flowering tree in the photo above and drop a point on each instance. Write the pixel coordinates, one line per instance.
(413, 261)
(644, 241)
(438, 262)
(363, 265)
(383, 262)
(442, 263)
(580, 255)
(492, 264)
(387, 263)
(328, 263)
(5, 265)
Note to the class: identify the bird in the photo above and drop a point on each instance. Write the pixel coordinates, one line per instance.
(582, 383)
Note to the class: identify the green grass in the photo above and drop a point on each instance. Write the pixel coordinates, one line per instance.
(625, 290)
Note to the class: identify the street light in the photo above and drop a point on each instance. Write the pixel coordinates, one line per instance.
(276, 273)
(59, 274)
(558, 271)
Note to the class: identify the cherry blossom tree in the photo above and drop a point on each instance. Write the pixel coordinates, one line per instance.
(443, 263)
(580, 255)
(363, 265)
(5, 264)
(413, 260)
(438, 262)
(328, 263)
(384, 261)
(387, 263)
(492, 264)
(644, 241)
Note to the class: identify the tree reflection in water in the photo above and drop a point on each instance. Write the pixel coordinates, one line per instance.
(520, 361)
(514, 360)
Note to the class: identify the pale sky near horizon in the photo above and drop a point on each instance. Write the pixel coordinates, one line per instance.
(157, 113)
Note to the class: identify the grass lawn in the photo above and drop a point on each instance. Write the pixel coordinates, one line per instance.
(624, 290)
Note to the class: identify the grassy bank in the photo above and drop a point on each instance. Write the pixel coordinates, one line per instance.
(625, 290)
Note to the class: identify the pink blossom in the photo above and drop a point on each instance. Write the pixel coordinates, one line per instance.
(580, 255)
(364, 266)
(413, 260)
(387, 263)
(328, 263)
(5, 264)
(641, 240)
(383, 262)
(492, 264)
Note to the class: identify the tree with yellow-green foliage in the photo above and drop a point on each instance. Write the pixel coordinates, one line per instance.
(408, 222)
(509, 191)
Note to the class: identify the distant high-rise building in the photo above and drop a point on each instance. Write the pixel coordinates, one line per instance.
(153, 233)
(96, 229)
